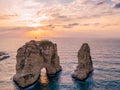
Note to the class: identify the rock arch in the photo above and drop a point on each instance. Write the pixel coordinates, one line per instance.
(32, 57)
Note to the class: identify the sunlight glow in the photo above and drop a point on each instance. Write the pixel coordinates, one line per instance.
(39, 33)
(33, 21)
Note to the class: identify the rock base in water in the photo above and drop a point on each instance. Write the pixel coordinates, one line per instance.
(85, 65)
(3, 55)
(32, 57)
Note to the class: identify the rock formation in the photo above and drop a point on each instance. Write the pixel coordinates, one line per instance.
(85, 65)
(3, 55)
(32, 57)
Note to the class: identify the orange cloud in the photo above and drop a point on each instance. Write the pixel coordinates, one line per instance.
(39, 18)
(41, 33)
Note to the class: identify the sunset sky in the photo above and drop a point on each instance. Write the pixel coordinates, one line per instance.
(60, 18)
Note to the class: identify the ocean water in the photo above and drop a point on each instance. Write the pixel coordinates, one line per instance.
(106, 61)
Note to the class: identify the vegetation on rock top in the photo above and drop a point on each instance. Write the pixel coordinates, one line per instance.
(45, 43)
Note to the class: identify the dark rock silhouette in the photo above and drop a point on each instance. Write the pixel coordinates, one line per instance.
(85, 65)
(3, 55)
(32, 57)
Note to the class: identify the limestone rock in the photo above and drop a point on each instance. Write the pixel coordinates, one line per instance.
(85, 65)
(3, 55)
(32, 57)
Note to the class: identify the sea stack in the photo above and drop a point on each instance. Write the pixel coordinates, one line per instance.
(32, 57)
(85, 65)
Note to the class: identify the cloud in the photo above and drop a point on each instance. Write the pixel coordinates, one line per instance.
(71, 25)
(7, 17)
(60, 11)
(100, 3)
(116, 0)
(49, 27)
(65, 1)
(117, 5)
(16, 28)
(55, 1)
(59, 15)
(62, 17)
(18, 32)
(78, 8)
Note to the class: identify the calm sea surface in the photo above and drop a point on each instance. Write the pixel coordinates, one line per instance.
(105, 55)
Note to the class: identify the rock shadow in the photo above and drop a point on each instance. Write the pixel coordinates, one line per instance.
(83, 85)
(52, 85)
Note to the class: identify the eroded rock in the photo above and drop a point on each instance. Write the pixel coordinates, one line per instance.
(3, 55)
(32, 57)
(85, 65)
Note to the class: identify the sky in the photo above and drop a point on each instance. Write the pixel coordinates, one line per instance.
(60, 18)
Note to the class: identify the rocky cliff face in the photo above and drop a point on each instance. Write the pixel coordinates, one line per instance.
(32, 57)
(85, 65)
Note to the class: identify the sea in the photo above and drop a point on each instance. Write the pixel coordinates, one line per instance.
(105, 54)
